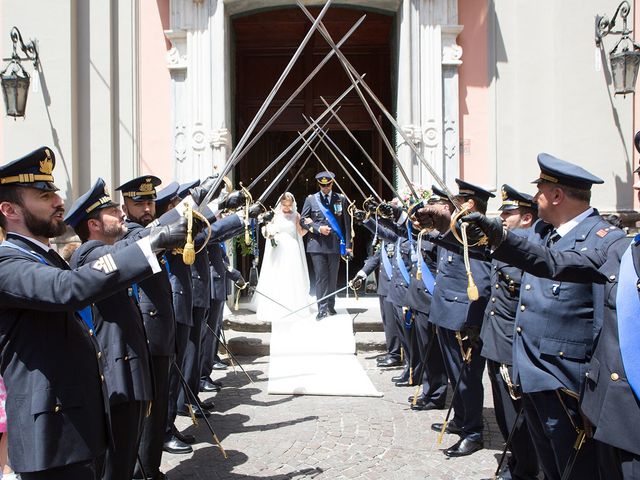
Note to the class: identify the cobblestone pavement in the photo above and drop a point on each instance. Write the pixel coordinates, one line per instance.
(298, 437)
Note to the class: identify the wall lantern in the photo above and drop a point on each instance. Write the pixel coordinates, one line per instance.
(625, 55)
(14, 78)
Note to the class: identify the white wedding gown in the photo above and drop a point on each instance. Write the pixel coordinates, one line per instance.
(284, 277)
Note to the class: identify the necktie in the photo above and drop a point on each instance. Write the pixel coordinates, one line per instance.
(326, 199)
(553, 237)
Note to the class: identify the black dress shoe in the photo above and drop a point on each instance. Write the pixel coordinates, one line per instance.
(184, 437)
(208, 386)
(410, 399)
(208, 405)
(405, 383)
(332, 311)
(382, 358)
(451, 428)
(219, 366)
(162, 476)
(321, 315)
(422, 404)
(390, 362)
(173, 445)
(464, 447)
(196, 412)
(403, 377)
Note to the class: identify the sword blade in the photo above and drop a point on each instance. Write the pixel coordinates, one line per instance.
(298, 90)
(362, 149)
(353, 75)
(324, 136)
(316, 301)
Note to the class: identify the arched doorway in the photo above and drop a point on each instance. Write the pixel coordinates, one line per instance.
(264, 43)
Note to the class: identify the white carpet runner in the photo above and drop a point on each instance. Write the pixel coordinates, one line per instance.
(316, 357)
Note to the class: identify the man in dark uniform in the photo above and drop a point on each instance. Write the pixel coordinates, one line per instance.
(325, 216)
(458, 322)
(99, 223)
(180, 280)
(157, 312)
(518, 213)
(558, 320)
(52, 361)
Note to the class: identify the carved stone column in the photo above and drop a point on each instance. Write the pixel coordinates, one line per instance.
(427, 102)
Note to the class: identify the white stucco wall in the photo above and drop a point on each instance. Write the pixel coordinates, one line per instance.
(548, 94)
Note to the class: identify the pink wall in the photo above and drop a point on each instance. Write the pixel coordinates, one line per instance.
(155, 92)
(636, 105)
(474, 92)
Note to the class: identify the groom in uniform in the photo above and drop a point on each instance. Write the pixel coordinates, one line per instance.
(325, 216)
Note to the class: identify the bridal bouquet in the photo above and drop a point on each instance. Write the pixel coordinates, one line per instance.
(406, 195)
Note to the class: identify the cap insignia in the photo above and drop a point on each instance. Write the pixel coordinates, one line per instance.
(46, 165)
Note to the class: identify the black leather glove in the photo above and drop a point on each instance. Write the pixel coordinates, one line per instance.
(265, 217)
(433, 217)
(232, 200)
(385, 210)
(348, 256)
(491, 227)
(198, 193)
(173, 235)
(256, 209)
(472, 333)
(359, 216)
(240, 283)
(356, 282)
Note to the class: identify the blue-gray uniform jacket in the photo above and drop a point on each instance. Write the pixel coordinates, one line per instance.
(221, 230)
(607, 399)
(156, 305)
(388, 237)
(499, 317)
(451, 308)
(121, 335)
(418, 297)
(56, 397)
(181, 288)
(316, 242)
(555, 322)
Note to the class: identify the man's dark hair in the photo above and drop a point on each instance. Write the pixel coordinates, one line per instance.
(481, 205)
(11, 194)
(576, 193)
(82, 229)
(532, 211)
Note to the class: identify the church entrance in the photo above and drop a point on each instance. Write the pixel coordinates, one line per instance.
(264, 43)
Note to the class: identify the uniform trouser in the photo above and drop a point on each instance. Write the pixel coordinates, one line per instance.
(89, 470)
(126, 427)
(191, 361)
(554, 435)
(617, 464)
(406, 333)
(325, 266)
(391, 334)
(523, 463)
(209, 340)
(434, 375)
(153, 428)
(175, 383)
(467, 403)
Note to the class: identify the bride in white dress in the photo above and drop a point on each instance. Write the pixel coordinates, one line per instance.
(284, 276)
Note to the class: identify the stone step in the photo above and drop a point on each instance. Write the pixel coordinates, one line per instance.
(257, 343)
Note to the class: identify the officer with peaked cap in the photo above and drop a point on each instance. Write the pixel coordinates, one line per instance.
(551, 354)
(325, 216)
(518, 213)
(52, 362)
(99, 222)
(180, 280)
(156, 305)
(458, 322)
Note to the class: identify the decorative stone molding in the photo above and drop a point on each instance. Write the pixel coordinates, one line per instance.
(177, 56)
(414, 132)
(220, 138)
(198, 137)
(451, 51)
(451, 144)
(180, 143)
(431, 134)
